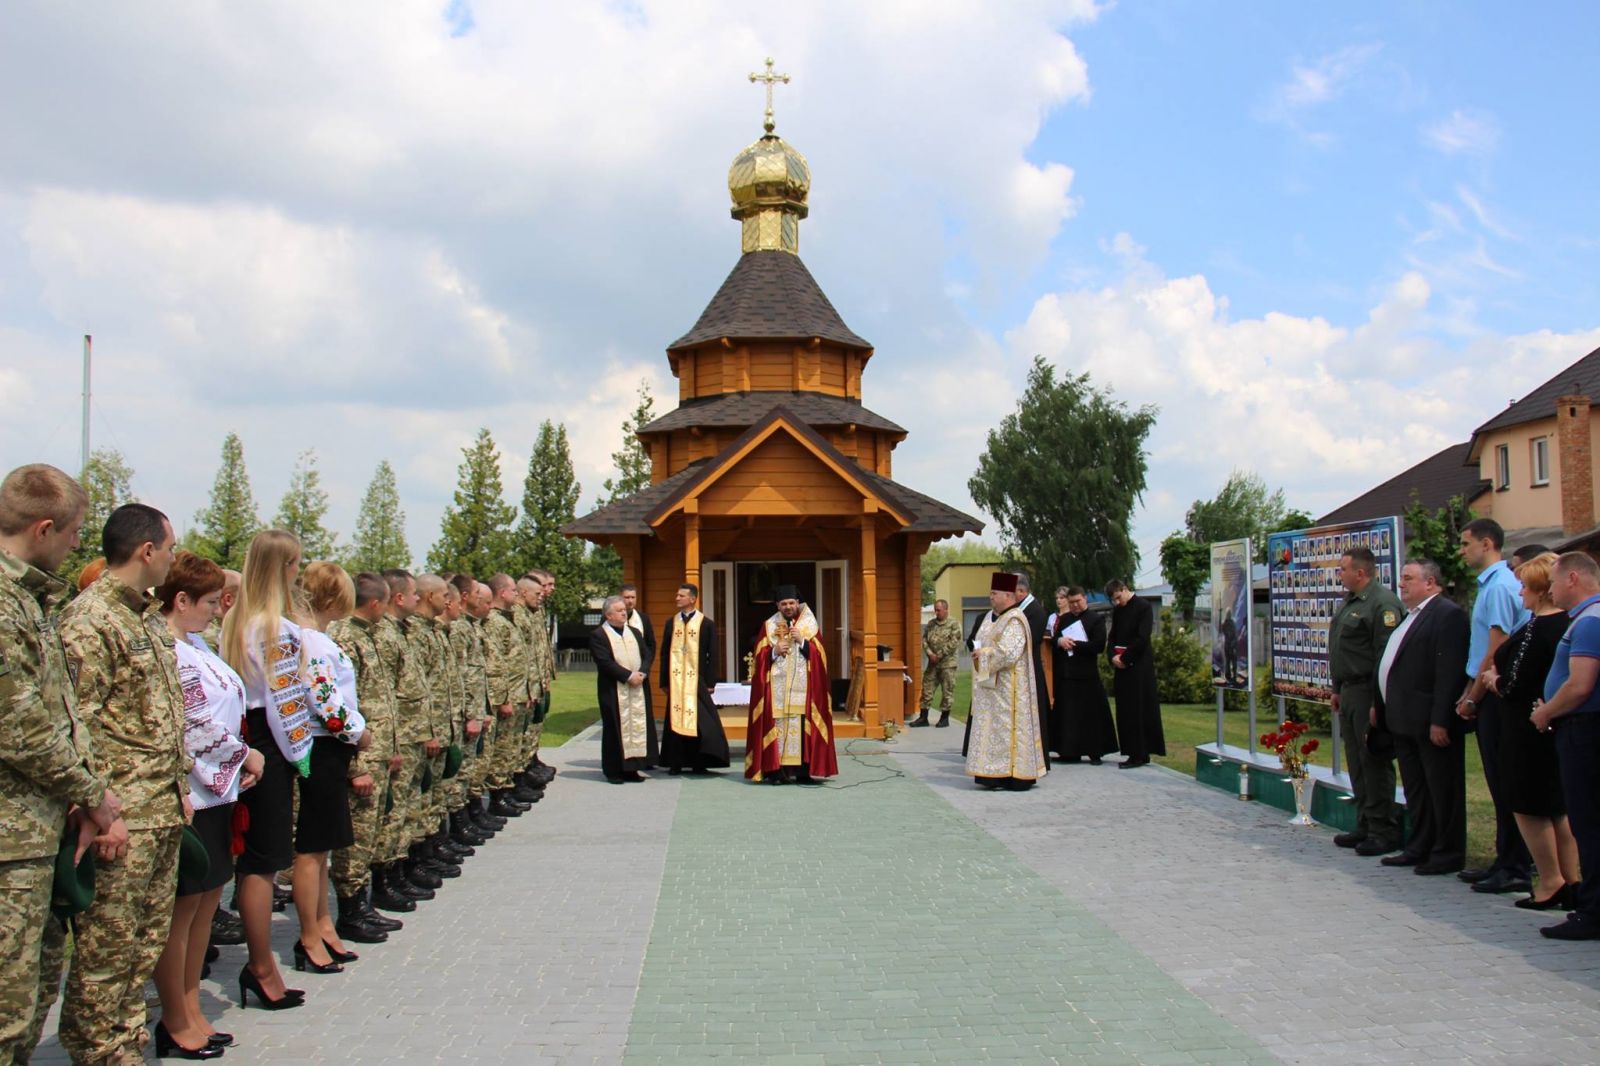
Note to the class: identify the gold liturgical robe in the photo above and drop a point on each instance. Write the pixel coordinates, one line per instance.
(1006, 739)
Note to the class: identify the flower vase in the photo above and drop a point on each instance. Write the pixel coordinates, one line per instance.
(1303, 787)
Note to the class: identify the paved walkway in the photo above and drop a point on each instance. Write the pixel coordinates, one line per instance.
(899, 915)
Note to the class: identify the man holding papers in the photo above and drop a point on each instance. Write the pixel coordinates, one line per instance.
(1080, 714)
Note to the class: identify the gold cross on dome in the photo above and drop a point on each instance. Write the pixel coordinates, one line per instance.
(771, 79)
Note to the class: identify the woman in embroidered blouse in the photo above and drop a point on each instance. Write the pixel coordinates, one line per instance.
(338, 732)
(213, 716)
(260, 642)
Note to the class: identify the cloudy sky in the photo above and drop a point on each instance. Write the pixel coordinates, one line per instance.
(1325, 240)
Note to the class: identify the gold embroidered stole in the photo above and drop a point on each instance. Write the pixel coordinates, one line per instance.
(683, 699)
(630, 701)
(788, 676)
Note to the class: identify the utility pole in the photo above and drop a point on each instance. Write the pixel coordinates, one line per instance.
(88, 350)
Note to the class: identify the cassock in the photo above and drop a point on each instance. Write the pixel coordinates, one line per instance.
(1138, 709)
(791, 721)
(1005, 745)
(1036, 615)
(1080, 714)
(692, 735)
(627, 730)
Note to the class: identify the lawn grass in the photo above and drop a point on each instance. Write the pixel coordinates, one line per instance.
(573, 708)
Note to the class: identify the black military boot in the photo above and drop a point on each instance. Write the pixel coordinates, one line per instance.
(387, 897)
(226, 928)
(463, 832)
(944, 720)
(478, 813)
(505, 806)
(420, 873)
(352, 924)
(401, 878)
(526, 791)
(436, 849)
(382, 921)
(920, 720)
(540, 774)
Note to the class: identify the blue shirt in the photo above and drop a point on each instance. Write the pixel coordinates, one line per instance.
(1582, 639)
(1499, 605)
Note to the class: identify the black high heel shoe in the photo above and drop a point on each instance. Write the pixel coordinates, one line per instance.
(166, 1047)
(339, 956)
(220, 1039)
(303, 962)
(1560, 899)
(249, 982)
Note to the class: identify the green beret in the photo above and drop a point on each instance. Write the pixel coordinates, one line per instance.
(194, 862)
(452, 761)
(73, 890)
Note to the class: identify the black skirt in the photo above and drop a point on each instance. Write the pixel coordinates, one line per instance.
(214, 827)
(1530, 775)
(269, 838)
(324, 823)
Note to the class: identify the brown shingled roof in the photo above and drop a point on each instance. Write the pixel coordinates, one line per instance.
(1582, 378)
(1434, 481)
(633, 515)
(769, 294)
(748, 408)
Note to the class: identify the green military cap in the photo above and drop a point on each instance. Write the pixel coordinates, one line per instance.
(452, 761)
(194, 862)
(73, 890)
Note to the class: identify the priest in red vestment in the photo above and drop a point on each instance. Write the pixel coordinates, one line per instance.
(790, 738)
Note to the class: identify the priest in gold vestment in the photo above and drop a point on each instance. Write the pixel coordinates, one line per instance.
(692, 737)
(1005, 747)
(790, 738)
(622, 673)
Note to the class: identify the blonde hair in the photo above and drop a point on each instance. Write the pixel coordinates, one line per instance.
(1538, 573)
(265, 598)
(328, 589)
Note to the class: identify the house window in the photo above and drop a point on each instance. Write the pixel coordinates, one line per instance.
(1541, 460)
(1502, 466)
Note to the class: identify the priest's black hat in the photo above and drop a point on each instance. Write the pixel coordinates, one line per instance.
(1003, 582)
(785, 592)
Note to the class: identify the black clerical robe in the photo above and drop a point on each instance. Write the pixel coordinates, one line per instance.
(688, 668)
(625, 744)
(1080, 714)
(1138, 708)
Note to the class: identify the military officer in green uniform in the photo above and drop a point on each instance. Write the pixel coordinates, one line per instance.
(1356, 640)
(941, 644)
(45, 764)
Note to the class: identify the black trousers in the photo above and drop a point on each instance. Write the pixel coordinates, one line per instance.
(1510, 852)
(1435, 783)
(1578, 748)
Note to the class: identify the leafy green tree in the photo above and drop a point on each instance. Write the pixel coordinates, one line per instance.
(1061, 476)
(1436, 534)
(550, 501)
(939, 556)
(1244, 508)
(304, 507)
(633, 474)
(108, 479)
(224, 527)
(1186, 566)
(476, 534)
(380, 540)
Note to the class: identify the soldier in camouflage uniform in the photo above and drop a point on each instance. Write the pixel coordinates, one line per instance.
(466, 634)
(467, 723)
(941, 644)
(125, 671)
(352, 870)
(506, 655)
(45, 763)
(542, 772)
(526, 613)
(411, 729)
(444, 699)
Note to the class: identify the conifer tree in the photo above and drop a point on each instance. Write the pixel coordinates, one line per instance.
(380, 540)
(633, 474)
(303, 508)
(476, 534)
(108, 479)
(223, 528)
(550, 501)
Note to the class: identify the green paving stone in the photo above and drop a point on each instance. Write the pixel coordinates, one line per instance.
(877, 924)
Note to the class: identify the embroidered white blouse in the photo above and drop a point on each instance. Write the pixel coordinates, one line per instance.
(331, 682)
(213, 715)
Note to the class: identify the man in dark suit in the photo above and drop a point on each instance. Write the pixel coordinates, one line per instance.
(1037, 616)
(1420, 676)
(639, 620)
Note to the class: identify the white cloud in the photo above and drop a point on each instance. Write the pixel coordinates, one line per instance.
(1463, 132)
(1311, 85)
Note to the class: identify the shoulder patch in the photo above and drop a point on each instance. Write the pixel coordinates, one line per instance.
(1390, 617)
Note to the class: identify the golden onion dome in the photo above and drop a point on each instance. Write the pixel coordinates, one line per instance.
(769, 182)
